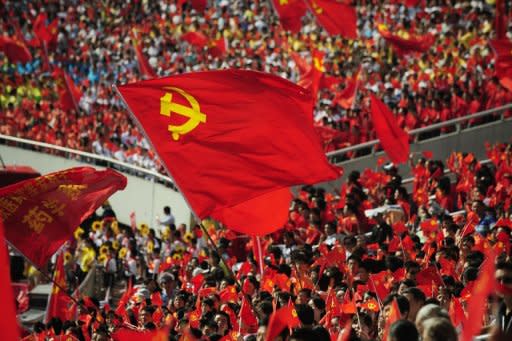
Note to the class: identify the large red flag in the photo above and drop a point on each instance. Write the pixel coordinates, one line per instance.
(8, 322)
(335, 17)
(393, 139)
(407, 45)
(501, 20)
(290, 13)
(503, 64)
(145, 69)
(225, 138)
(280, 319)
(59, 300)
(484, 285)
(41, 214)
(15, 50)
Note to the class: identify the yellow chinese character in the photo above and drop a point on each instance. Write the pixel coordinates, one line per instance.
(55, 207)
(72, 191)
(36, 219)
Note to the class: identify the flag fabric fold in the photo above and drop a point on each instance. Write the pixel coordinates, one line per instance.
(15, 50)
(225, 137)
(335, 17)
(393, 139)
(500, 19)
(290, 13)
(280, 319)
(407, 45)
(503, 64)
(8, 322)
(59, 300)
(144, 67)
(41, 214)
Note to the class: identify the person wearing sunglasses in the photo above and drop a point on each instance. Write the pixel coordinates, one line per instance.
(504, 276)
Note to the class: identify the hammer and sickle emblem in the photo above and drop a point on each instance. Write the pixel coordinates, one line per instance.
(283, 2)
(317, 8)
(193, 112)
(319, 65)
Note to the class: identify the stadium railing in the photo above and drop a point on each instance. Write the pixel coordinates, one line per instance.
(453, 126)
(86, 157)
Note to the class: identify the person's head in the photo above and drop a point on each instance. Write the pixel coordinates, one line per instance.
(303, 334)
(402, 303)
(306, 314)
(416, 299)
(146, 315)
(429, 311)
(438, 329)
(503, 275)
(411, 270)
(167, 210)
(353, 263)
(223, 322)
(318, 306)
(403, 330)
(304, 296)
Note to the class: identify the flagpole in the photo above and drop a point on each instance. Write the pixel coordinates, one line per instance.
(45, 275)
(139, 125)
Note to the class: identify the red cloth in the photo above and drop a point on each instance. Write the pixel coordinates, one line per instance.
(41, 214)
(290, 13)
(59, 300)
(145, 69)
(500, 20)
(69, 93)
(196, 39)
(247, 164)
(280, 319)
(15, 50)
(134, 335)
(346, 97)
(503, 65)
(404, 46)
(8, 322)
(393, 139)
(484, 285)
(46, 33)
(335, 17)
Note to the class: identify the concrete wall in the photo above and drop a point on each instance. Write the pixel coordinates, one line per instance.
(145, 197)
(468, 140)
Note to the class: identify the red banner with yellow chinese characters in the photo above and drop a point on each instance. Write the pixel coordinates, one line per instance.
(41, 214)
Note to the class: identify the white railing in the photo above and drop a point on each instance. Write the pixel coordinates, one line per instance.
(96, 159)
(458, 124)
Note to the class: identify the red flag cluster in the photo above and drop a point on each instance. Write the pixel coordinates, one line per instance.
(405, 45)
(41, 214)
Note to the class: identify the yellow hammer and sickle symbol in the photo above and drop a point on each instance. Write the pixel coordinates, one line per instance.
(193, 112)
(319, 65)
(283, 2)
(316, 8)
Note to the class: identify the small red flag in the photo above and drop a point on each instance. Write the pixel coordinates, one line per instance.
(393, 316)
(279, 320)
(59, 300)
(503, 64)
(427, 154)
(317, 72)
(293, 320)
(404, 46)
(229, 294)
(500, 20)
(69, 93)
(15, 50)
(246, 314)
(41, 214)
(196, 39)
(8, 322)
(145, 69)
(217, 47)
(345, 334)
(393, 139)
(346, 97)
(290, 13)
(247, 164)
(199, 5)
(456, 312)
(484, 285)
(335, 17)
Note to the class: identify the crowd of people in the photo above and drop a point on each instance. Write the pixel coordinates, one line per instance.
(455, 77)
(372, 259)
